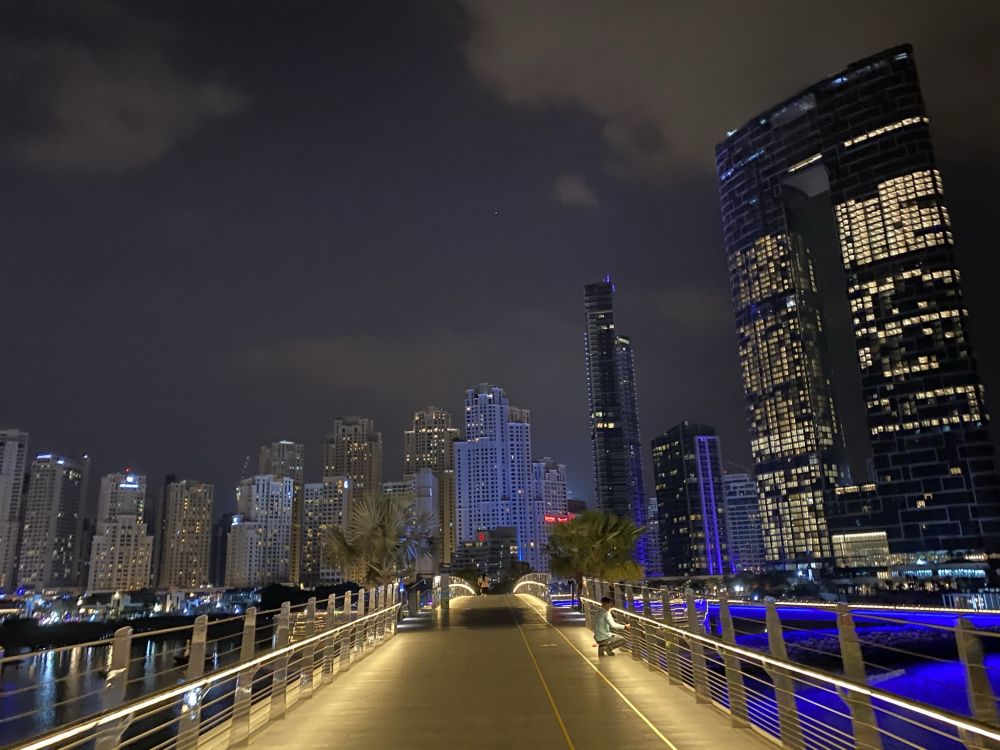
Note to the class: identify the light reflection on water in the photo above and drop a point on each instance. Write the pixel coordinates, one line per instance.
(54, 689)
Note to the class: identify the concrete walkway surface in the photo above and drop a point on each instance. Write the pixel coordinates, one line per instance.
(501, 672)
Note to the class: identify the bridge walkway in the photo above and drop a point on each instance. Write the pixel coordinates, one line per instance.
(501, 672)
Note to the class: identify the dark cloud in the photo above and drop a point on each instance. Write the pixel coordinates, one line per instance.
(100, 94)
(669, 78)
(573, 190)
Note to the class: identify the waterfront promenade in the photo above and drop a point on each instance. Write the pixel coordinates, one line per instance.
(502, 672)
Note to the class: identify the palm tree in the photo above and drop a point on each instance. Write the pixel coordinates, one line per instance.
(384, 537)
(594, 544)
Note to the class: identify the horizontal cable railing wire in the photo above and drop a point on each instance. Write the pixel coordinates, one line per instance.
(794, 704)
(222, 679)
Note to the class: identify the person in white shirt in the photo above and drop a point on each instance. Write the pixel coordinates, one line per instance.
(605, 627)
(484, 584)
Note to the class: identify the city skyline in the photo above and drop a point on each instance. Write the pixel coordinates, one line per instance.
(521, 178)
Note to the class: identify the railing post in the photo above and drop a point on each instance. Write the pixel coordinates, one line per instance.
(280, 676)
(647, 605)
(865, 726)
(347, 637)
(190, 719)
(239, 730)
(586, 591)
(734, 675)
(699, 666)
(784, 687)
(982, 701)
(114, 688)
(665, 614)
(629, 598)
(671, 642)
(329, 643)
(361, 602)
(308, 652)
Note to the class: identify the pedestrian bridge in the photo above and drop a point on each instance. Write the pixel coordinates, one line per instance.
(517, 670)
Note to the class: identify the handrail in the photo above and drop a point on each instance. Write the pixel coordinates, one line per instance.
(301, 649)
(166, 694)
(771, 696)
(841, 682)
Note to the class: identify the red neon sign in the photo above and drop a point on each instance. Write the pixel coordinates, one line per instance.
(554, 518)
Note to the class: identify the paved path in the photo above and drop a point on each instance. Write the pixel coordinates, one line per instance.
(501, 672)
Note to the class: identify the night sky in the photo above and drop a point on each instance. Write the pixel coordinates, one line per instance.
(227, 223)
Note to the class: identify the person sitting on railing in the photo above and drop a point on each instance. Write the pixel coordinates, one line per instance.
(605, 627)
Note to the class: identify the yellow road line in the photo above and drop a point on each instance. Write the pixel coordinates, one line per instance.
(604, 677)
(545, 685)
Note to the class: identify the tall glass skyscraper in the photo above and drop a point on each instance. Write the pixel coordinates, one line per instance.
(614, 419)
(858, 144)
(690, 501)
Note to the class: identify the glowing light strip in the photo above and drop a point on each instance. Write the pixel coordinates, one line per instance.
(869, 607)
(171, 693)
(804, 163)
(805, 672)
(519, 584)
(885, 129)
(462, 584)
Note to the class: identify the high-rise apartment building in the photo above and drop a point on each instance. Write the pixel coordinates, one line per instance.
(428, 445)
(654, 541)
(493, 475)
(53, 518)
(121, 550)
(690, 503)
(13, 458)
(327, 506)
(421, 490)
(259, 545)
(614, 417)
(551, 491)
(354, 450)
(856, 145)
(220, 539)
(287, 459)
(186, 535)
(743, 527)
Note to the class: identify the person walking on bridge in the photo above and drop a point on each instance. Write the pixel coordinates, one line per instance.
(605, 627)
(484, 584)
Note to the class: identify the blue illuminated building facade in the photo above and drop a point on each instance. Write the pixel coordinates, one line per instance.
(690, 501)
(614, 418)
(857, 147)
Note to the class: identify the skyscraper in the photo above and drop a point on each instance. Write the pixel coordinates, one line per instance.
(614, 419)
(550, 488)
(856, 145)
(428, 445)
(354, 450)
(493, 477)
(422, 489)
(13, 457)
(53, 507)
(187, 535)
(327, 506)
(743, 528)
(654, 540)
(121, 551)
(287, 459)
(690, 503)
(259, 544)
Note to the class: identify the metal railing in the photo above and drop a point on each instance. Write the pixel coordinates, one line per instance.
(535, 584)
(794, 705)
(212, 692)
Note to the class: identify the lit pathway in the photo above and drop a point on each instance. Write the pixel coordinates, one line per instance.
(494, 674)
